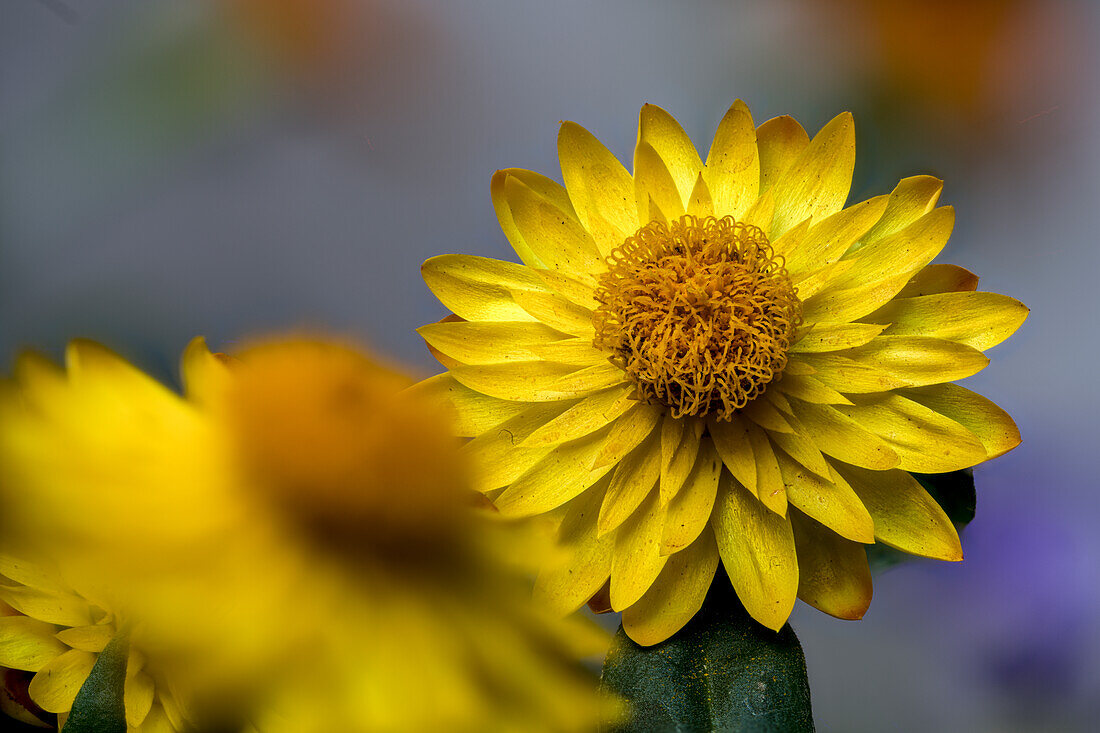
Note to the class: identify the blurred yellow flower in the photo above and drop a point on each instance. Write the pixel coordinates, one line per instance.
(293, 539)
(717, 361)
(57, 633)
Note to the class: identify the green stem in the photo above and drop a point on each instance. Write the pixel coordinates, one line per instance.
(721, 672)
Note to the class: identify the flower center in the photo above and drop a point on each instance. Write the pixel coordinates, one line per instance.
(699, 314)
(330, 436)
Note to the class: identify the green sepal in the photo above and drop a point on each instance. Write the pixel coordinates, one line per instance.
(99, 706)
(721, 672)
(955, 494)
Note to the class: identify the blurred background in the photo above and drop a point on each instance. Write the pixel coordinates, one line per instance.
(221, 167)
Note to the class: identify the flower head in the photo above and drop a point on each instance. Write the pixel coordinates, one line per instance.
(718, 361)
(294, 540)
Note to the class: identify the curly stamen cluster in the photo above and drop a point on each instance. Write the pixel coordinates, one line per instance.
(699, 314)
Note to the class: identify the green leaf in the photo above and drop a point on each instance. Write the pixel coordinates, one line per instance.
(721, 672)
(99, 706)
(954, 492)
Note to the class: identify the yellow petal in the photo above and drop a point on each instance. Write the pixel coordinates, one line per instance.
(990, 424)
(907, 250)
(172, 712)
(587, 416)
(780, 141)
(829, 239)
(157, 722)
(911, 199)
(925, 441)
(761, 213)
(472, 412)
(833, 575)
(659, 129)
(690, 509)
(496, 457)
(843, 304)
(546, 188)
(731, 440)
(757, 550)
(798, 368)
(27, 643)
(776, 397)
(568, 581)
(817, 182)
(906, 516)
(651, 213)
(55, 608)
(87, 638)
(590, 379)
(980, 320)
(799, 445)
(675, 596)
(556, 311)
(574, 289)
(830, 500)
(488, 342)
(634, 479)
(700, 202)
(204, 375)
(791, 240)
(479, 288)
(558, 240)
(55, 685)
(916, 360)
(824, 337)
(35, 575)
(561, 475)
(672, 430)
(600, 188)
(837, 371)
(939, 279)
(732, 173)
(769, 482)
(88, 360)
(636, 560)
(810, 389)
(138, 694)
(628, 432)
(810, 283)
(837, 435)
(653, 182)
(676, 466)
(579, 351)
(765, 414)
(529, 381)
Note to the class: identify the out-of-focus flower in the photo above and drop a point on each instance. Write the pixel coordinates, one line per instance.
(304, 37)
(720, 361)
(293, 539)
(934, 76)
(58, 634)
(942, 53)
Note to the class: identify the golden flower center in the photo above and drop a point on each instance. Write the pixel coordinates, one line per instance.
(699, 313)
(331, 437)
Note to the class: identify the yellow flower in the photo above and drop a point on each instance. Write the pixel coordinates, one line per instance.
(293, 539)
(57, 633)
(718, 362)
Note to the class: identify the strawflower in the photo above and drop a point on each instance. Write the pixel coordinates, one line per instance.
(718, 362)
(293, 540)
